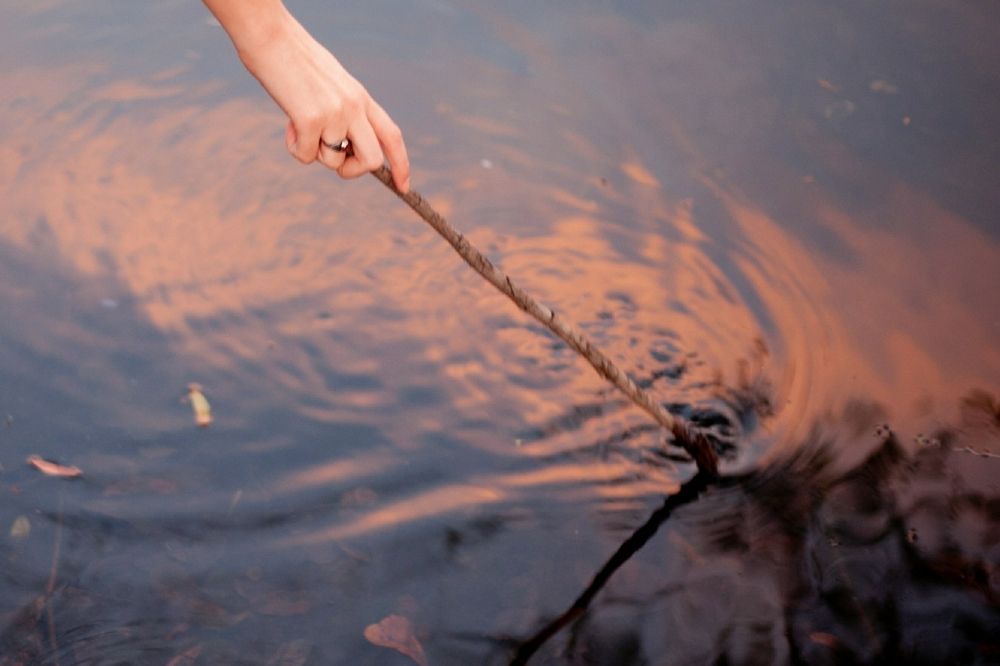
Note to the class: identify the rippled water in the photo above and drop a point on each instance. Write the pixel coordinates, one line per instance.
(782, 219)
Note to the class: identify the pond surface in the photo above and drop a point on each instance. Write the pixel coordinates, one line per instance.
(781, 218)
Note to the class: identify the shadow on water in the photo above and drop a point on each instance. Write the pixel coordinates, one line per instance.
(894, 560)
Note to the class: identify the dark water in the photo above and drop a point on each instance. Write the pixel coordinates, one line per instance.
(781, 217)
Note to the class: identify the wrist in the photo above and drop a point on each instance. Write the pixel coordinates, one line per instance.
(253, 25)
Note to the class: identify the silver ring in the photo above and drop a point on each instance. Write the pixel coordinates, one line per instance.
(339, 147)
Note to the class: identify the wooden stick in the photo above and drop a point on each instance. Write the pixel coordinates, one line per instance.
(692, 440)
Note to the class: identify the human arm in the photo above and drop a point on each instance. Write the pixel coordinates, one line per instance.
(322, 100)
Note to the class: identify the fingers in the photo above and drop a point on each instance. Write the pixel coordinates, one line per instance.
(302, 140)
(391, 139)
(366, 154)
(373, 136)
(290, 136)
(331, 157)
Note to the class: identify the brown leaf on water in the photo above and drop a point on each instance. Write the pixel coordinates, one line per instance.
(54, 469)
(396, 632)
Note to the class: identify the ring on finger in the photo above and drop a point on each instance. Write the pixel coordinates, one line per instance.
(338, 147)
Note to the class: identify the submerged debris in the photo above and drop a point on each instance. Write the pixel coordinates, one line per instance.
(21, 528)
(54, 469)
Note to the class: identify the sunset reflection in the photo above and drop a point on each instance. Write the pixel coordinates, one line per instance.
(160, 201)
(779, 220)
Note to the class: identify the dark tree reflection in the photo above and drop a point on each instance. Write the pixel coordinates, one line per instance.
(893, 560)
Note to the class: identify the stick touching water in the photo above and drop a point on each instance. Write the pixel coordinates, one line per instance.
(690, 438)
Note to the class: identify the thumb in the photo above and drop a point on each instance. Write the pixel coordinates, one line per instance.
(291, 137)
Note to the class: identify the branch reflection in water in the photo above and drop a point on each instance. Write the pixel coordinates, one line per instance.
(897, 558)
(687, 494)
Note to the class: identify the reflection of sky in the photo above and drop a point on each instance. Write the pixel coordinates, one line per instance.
(675, 185)
(692, 183)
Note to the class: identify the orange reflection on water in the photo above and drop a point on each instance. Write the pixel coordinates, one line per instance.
(334, 472)
(432, 503)
(585, 482)
(343, 304)
(902, 321)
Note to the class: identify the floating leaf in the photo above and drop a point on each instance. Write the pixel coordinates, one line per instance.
(199, 403)
(21, 528)
(396, 632)
(54, 469)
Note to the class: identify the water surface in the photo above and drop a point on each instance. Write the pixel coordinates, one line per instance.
(781, 219)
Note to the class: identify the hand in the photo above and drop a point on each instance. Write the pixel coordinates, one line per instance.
(322, 100)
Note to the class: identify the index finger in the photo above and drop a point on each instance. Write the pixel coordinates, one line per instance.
(391, 139)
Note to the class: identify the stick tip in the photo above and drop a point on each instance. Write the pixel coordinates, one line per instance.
(699, 446)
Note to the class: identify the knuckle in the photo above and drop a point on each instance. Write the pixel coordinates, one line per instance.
(299, 155)
(311, 122)
(335, 108)
(350, 109)
(353, 102)
(304, 155)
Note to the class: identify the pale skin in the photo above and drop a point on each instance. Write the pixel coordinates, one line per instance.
(323, 102)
